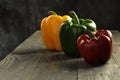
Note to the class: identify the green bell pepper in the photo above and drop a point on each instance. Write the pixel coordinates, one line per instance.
(70, 30)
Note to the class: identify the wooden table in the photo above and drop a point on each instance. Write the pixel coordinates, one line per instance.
(32, 61)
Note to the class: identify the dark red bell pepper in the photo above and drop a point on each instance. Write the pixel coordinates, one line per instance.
(96, 48)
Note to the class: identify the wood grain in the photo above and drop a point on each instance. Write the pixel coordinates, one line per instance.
(32, 61)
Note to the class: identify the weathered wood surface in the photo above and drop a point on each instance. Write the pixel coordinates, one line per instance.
(32, 61)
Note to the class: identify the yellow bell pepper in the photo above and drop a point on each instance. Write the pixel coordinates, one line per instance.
(50, 27)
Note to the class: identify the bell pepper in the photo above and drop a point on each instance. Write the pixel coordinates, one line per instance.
(95, 48)
(50, 27)
(70, 30)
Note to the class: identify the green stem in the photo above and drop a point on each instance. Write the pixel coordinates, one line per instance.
(52, 13)
(74, 16)
(90, 33)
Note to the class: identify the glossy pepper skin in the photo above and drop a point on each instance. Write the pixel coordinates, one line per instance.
(70, 30)
(96, 49)
(50, 27)
(90, 24)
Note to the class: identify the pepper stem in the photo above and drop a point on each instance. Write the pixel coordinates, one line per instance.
(52, 13)
(74, 16)
(90, 33)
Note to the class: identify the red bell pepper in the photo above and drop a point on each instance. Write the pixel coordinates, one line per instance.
(95, 48)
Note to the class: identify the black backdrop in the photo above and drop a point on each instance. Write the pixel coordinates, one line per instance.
(20, 18)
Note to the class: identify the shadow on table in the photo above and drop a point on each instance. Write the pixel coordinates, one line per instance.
(64, 61)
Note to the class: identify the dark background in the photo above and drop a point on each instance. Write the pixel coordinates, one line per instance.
(20, 18)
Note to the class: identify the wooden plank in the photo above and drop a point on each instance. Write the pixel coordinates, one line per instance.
(55, 67)
(116, 55)
(116, 37)
(32, 61)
